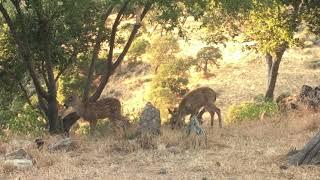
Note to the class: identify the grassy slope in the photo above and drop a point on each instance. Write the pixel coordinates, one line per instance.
(241, 77)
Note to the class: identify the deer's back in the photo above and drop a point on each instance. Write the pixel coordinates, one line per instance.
(105, 108)
(197, 98)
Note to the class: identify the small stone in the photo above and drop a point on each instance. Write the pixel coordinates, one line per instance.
(218, 164)
(283, 167)
(174, 150)
(39, 142)
(163, 171)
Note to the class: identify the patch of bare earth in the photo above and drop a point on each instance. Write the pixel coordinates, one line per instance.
(251, 150)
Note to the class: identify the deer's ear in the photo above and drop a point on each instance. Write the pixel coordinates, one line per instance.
(170, 112)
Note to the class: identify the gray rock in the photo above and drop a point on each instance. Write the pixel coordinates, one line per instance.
(63, 144)
(310, 96)
(18, 163)
(150, 121)
(194, 126)
(18, 159)
(18, 154)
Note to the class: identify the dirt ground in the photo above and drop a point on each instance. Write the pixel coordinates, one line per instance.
(251, 150)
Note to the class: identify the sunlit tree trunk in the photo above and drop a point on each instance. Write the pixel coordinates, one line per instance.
(273, 64)
(205, 69)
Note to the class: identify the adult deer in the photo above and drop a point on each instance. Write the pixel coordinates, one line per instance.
(192, 102)
(104, 108)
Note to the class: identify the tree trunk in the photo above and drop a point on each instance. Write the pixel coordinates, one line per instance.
(273, 72)
(205, 69)
(44, 109)
(269, 66)
(308, 155)
(54, 125)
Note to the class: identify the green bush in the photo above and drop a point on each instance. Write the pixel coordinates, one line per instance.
(250, 111)
(23, 120)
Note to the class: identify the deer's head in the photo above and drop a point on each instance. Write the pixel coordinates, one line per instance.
(174, 119)
(72, 101)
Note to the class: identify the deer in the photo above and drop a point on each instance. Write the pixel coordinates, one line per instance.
(105, 108)
(68, 117)
(203, 99)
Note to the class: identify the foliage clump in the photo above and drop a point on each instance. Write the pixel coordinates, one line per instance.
(21, 118)
(162, 50)
(247, 111)
(138, 48)
(206, 58)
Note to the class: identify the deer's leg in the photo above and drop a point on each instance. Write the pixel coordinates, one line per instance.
(218, 111)
(181, 122)
(213, 109)
(93, 124)
(200, 114)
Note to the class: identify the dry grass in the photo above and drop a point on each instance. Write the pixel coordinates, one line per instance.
(251, 150)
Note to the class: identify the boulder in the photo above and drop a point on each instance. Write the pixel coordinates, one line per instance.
(308, 98)
(150, 121)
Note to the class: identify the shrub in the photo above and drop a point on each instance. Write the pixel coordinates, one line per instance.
(138, 48)
(169, 84)
(250, 111)
(23, 120)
